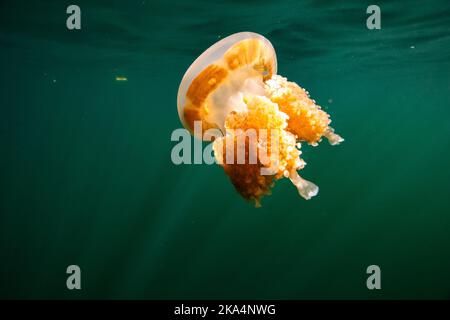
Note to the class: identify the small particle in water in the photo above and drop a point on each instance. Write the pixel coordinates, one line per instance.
(412, 47)
(54, 80)
(330, 100)
(119, 78)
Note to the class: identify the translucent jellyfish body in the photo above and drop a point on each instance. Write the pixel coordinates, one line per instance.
(234, 87)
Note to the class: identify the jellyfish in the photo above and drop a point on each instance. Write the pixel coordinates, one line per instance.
(233, 87)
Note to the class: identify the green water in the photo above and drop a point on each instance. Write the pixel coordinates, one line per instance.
(86, 176)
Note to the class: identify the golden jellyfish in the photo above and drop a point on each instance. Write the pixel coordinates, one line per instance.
(233, 87)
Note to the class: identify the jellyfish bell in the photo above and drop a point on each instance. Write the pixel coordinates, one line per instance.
(216, 82)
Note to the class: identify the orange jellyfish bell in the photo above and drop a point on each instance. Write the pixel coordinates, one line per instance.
(217, 80)
(233, 86)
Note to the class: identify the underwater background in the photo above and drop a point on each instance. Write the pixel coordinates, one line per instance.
(86, 176)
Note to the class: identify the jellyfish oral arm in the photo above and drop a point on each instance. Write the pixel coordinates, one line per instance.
(333, 138)
(305, 188)
(230, 96)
